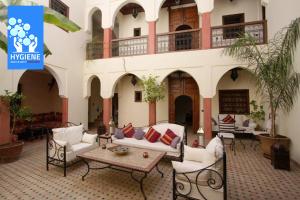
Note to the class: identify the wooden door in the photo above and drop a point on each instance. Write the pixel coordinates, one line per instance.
(180, 16)
(187, 87)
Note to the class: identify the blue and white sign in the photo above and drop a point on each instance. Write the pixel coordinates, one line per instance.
(25, 33)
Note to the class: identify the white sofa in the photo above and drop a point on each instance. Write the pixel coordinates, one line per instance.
(159, 146)
(190, 177)
(67, 143)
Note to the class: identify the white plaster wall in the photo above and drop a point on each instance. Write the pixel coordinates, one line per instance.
(129, 110)
(251, 8)
(289, 123)
(67, 62)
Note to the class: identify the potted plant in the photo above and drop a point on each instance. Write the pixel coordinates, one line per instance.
(257, 114)
(153, 91)
(276, 79)
(10, 152)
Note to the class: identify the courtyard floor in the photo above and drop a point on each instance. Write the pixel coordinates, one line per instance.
(250, 176)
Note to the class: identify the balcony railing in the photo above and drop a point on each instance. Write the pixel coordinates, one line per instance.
(130, 46)
(223, 36)
(94, 50)
(179, 40)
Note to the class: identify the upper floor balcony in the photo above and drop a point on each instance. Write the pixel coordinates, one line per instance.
(178, 28)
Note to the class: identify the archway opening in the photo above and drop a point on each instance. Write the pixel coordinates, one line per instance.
(95, 47)
(183, 90)
(131, 26)
(128, 105)
(235, 91)
(41, 93)
(95, 105)
(184, 39)
(184, 110)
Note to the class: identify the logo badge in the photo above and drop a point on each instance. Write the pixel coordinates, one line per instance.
(25, 33)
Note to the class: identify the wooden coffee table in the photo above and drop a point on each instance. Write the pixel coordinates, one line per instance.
(131, 163)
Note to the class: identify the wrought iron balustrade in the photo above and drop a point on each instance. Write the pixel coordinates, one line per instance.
(130, 46)
(94, 50)
(179, 40)
(223, 36)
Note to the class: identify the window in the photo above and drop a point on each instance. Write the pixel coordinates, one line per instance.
(137, 32)
(138, 96)
(60, 7)
(234, 102)
(236, 31)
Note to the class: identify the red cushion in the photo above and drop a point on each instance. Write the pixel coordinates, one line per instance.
(228, 119)
(152, 135)
(128, 131)
(168, 137)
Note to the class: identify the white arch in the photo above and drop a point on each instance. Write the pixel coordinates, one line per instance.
(88, 83)
(203, 6)
(119, 77)
(88, 17)
(119, 4)
(58, 78)
(222, 71)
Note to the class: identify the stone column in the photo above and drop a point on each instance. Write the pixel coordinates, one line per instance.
(107, 37)
(206, 31)
(152, 37)
(107, 108)
(5, 136)
(64, 110)
(207, 118)
(152, 113)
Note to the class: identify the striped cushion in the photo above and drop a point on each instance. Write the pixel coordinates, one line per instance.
(128, 131)
(228, 119)
(152, 135)
(168, 137)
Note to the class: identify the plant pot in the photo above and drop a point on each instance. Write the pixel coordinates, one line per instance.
(266, 142)
(10, 152)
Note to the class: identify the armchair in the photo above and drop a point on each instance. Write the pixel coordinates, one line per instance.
(66, 143)
(202, 174)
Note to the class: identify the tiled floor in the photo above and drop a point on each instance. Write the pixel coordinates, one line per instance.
(250, 176)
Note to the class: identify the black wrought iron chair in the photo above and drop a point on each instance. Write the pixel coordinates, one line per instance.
(56, 154)
(193, 185)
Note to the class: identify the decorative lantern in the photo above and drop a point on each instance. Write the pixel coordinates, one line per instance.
(200, 133)
(112, 127)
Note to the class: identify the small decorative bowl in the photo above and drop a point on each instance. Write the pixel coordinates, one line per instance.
(119, 150)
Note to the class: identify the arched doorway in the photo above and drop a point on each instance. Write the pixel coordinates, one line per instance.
(184, 110)
(95, 110)
(182, 84)
(41, 93)
(183, 40)
(95, 47)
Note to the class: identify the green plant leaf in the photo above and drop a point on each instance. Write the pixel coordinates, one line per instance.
(59, 20)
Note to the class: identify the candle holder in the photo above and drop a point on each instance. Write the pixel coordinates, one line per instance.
(145, 155)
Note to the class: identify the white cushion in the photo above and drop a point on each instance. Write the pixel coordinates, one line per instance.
(188, 166)
(198, 155)
(159, 146)
(212, 144)
(63, 143)
(74, 134)
(59, 134)
(163, 127)
(89, 138)
(83, 147)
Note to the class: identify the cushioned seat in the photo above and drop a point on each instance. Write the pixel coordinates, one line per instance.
(158, 146)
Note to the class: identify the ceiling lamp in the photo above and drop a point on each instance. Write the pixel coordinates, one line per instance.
(135, 12)
(234, 74)
(133, 80)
